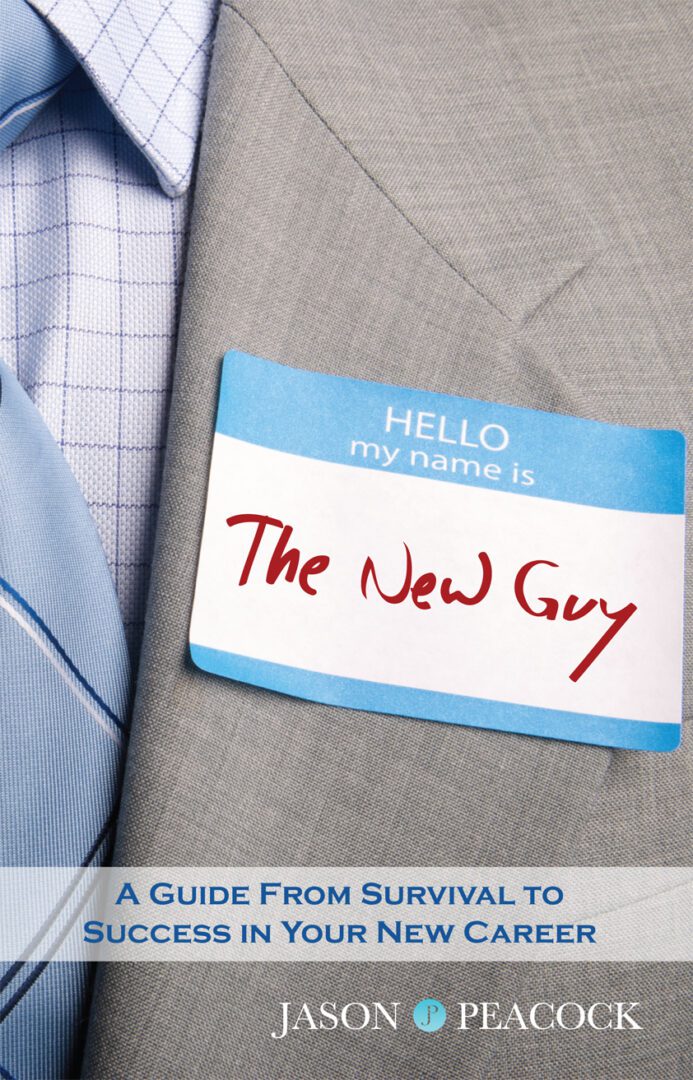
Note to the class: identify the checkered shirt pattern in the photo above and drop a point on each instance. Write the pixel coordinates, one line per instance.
(92, 248)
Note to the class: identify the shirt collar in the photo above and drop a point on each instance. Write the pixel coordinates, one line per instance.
(149, 60)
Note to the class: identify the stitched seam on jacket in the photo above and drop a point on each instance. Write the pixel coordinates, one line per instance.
(364, 170)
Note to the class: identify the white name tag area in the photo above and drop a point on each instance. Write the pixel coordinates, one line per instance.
(411, 553)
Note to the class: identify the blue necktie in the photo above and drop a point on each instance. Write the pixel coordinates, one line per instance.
(34, 64)
(64, 679)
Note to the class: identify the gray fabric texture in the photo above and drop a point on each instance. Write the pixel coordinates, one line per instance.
(483, 199)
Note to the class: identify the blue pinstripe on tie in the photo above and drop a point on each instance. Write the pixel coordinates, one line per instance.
(63, 704)
(33, 68)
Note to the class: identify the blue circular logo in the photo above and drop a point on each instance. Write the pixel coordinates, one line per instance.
(429, 1015)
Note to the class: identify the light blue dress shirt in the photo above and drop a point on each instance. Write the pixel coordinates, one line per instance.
(94, 203)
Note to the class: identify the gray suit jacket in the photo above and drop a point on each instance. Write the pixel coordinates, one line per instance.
(467, 196)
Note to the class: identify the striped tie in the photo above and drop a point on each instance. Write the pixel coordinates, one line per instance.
(64, 683)
(34, 65)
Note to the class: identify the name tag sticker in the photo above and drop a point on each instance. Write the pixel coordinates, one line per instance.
(430, 556)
